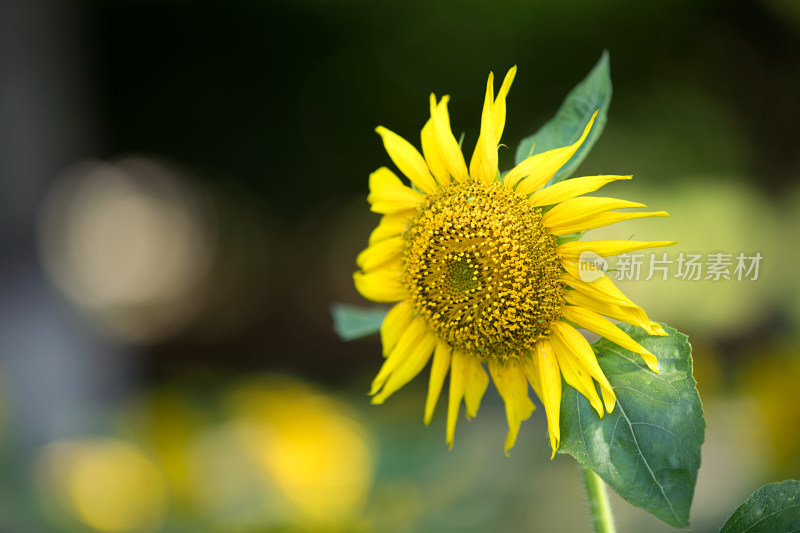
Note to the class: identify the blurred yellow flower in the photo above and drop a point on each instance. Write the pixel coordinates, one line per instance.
(480, 275)
(308, 446)
(104, 483)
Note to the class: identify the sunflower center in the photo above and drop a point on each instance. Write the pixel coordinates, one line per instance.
(482, 270)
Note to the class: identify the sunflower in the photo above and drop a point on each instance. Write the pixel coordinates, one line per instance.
(484, 271)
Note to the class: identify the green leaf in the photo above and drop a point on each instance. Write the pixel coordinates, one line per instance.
(590, 95)
(648, 448)
(772, 508)
(353, 322)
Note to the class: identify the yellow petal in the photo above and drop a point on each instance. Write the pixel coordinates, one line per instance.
(577, 209)
(566, 339)
(439, 368)
(388, 195)
(458, 382)
(484, 160)
(609, 398)
(499, 108)
(408, 160)
(530, 365)
(408, 369)
(593, 322)
(603, 219)
(433, 154)
(573, 250)
(534, 172)
(564, 190)
(632, 315)
(602, 288)
(476, 383)
(448, 146)
(391, 225)
(543, 368)
(578, 379)
(550, 377)
(380, 253)
(510, 381)
(408, 341)
(383, 285)
(603, 292)
(394, 324)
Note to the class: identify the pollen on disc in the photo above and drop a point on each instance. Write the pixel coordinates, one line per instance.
(482, 270)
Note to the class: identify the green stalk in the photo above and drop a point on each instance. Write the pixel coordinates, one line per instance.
(602, 518)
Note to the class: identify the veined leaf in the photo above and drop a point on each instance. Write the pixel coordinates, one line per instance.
(648, 448)
(773, 507)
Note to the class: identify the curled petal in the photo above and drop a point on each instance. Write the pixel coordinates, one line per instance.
(510, 381)
(534, 172)
(566, 340)
(542, 368)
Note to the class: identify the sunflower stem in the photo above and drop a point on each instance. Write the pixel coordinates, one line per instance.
(602, 518)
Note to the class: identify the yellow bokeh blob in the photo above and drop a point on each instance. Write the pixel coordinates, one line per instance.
(104, 483)
(310, 449)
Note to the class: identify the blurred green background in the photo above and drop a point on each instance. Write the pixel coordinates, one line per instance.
(182, 195)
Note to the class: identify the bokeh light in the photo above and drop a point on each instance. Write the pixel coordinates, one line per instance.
(314, 453)
(127, 242)
(104, 483)
(270, 451)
